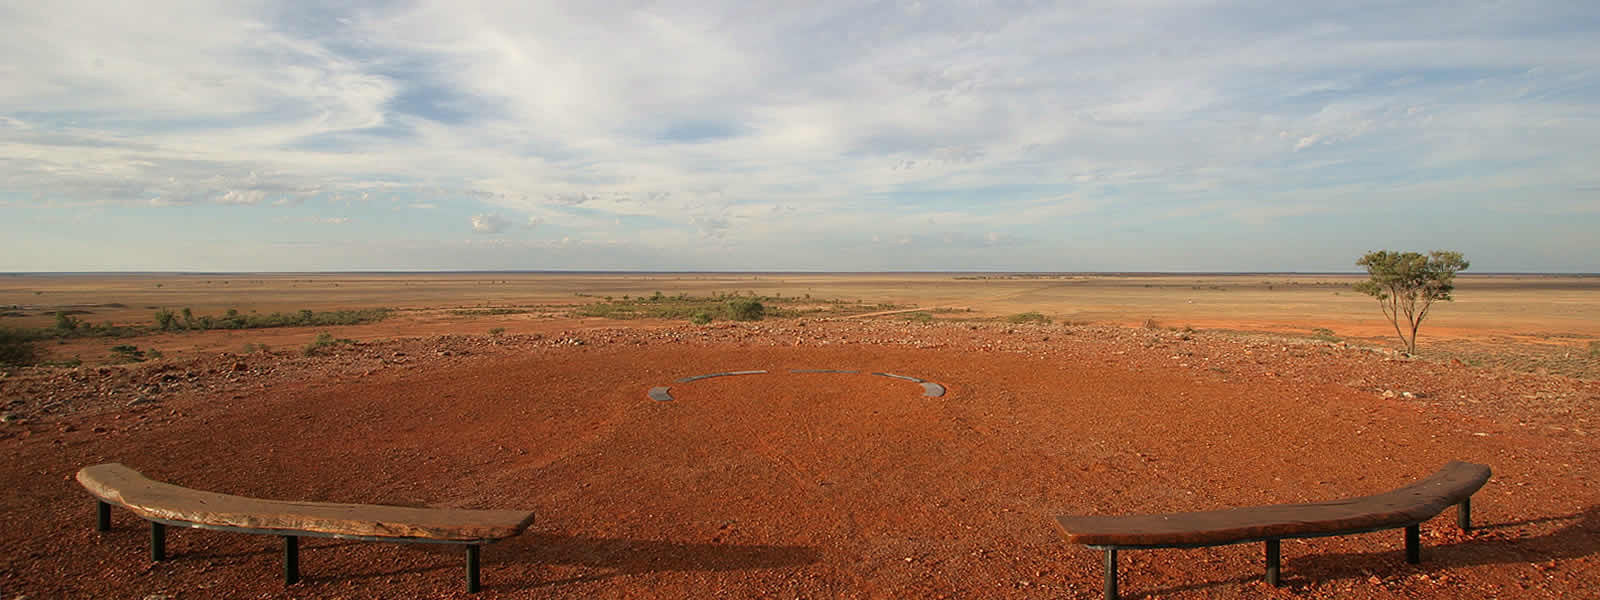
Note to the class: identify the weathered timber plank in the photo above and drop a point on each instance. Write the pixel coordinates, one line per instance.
(118, 484)
(1415, 503)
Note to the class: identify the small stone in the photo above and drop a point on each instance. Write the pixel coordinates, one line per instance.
(142, 400)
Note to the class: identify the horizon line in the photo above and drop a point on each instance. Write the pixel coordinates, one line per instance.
(747, 272)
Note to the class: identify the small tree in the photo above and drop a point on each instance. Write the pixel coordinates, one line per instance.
(165, 320)
(745, 310)
(1406, 285)
(66, 323)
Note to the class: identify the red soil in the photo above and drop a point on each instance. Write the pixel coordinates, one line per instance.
(806, 485)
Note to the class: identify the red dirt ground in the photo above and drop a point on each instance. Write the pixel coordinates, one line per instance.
(806, 486)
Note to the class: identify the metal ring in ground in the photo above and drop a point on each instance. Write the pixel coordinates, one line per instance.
(662, 393)
(723, 374)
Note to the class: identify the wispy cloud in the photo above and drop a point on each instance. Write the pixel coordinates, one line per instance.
(798, 134)
(489, 223)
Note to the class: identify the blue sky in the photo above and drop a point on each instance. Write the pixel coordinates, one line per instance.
(1159, 135)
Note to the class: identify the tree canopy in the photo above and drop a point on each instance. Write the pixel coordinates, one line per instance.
(1407, 284)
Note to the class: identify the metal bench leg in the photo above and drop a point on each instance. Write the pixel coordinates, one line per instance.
(291, 560)
(102, 516)
(1273, 562)
(158, 542)
(1464, 514)
(472, 569)
(1414, 544)
(1111, 574)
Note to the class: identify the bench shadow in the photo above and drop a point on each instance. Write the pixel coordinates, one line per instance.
(632, 556)
(619, 557)
(1580, 537)
(306, 544)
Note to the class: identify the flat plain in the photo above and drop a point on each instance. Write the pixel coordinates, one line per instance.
(1519, 321)
(1143, 393)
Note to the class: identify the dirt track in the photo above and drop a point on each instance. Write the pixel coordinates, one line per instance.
(813, 485)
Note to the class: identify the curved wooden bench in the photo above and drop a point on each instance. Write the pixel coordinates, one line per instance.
(1405, 507)
(164, 504)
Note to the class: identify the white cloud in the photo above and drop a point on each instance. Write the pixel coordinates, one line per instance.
(489, 223)
(824, 123)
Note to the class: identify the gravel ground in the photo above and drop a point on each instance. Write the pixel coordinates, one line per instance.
(806, 485)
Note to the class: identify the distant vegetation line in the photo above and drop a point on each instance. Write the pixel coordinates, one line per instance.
(16, 343)
(721, 307)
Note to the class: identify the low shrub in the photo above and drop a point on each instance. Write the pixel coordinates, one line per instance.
(66, 323)
(127, 353)
(742, 309)
(722, 307)
(1324, 334)
(325, 341)
(233, 319)
(700, 318)
(16, 348)
(484, 312)
(1028, 317)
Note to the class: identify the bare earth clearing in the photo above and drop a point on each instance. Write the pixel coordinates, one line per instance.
(810, 485)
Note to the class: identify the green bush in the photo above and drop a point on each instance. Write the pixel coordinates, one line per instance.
(323, 342)
(166, 320)
(920, 316)
(700, 318)
(497, 331)
(16, 348)
(1028, 317)
(1324, 334)
(233, 319)
(66, 323)
(128, 353)
(745, 310)
(483, 312)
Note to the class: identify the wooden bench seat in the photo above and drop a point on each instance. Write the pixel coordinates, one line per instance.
(164, 504)
(1405, 508)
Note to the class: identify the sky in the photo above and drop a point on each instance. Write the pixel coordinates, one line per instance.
(1117, 135)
